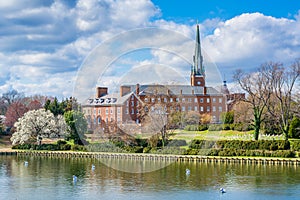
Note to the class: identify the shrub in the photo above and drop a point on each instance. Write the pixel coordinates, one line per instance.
(215, 127)
(296, 145)
(77, 147)
(171, 150)
(201, 144)
(176, 143)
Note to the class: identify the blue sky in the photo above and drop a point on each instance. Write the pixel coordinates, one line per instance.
(225, 9)
(44, 44)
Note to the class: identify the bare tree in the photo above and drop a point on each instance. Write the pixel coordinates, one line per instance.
(284, 80)
(257, 87)
(157, 111)
(8, 98)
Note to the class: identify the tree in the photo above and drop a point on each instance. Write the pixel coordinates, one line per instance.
(77, 126)
(257, 87)
(34, 105)
(284, 80)
(227, 117)
(36, 125)
(14, 112)
(294, 131)
(192, 118)
(9, 98)
(159, 114)
(54, 106)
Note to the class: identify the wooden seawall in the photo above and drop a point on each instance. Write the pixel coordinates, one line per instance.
(175, 158)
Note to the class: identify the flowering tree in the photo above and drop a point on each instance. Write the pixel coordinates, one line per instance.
(36, 125)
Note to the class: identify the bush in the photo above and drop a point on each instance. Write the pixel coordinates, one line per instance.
(272, 145)
(171, 150)
(215, 127)
(176, 143)
(141, 142)
(202, 144)
(104, 147)
(296, 145)
(77, 147)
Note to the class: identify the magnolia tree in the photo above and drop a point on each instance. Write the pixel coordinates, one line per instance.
(36, 125)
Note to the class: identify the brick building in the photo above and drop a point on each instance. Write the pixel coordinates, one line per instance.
(123, 108)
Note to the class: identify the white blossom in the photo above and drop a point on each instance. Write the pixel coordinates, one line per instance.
(36, 125)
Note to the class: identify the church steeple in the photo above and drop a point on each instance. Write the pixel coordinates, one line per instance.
(198, 59)
(198, 72)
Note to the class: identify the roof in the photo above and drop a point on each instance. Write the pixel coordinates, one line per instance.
(108, 100)
(184, 90)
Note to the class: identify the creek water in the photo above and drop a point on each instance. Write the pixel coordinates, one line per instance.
(51, 178)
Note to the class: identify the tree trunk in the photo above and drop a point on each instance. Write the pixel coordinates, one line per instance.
(256, 128)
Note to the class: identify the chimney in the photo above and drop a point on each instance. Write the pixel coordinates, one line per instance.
(101, 91)
(204, 90)
(124, 89)
(137, 89)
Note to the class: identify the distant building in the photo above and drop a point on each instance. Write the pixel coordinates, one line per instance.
(123, 108)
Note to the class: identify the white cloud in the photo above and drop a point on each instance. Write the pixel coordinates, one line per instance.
(251, 39)
(43, 43)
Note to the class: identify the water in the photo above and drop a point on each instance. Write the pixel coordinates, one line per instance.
(51, 178)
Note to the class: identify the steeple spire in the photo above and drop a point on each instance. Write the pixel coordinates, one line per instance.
(198, 72)
(198, 68)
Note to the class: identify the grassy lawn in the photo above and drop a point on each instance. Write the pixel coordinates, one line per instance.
(219, 135)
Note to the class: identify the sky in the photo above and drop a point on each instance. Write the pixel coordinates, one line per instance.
(53, 47)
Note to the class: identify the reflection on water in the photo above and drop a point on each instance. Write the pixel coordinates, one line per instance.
(51, 178)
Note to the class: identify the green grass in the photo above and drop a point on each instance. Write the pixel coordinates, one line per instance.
(212, 135)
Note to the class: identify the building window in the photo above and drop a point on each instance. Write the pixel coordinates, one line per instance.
(132, 103)
(171, 100)
(177, 99)
(111, 110)
(189, 99)
(132, 111)
(106, 111)
(158, 99)
(165, 100)
(207, 100)
(196, 108)
(201, 100)
(220, 108)
(111, 119)
(153, 100)
(208, 109)
(201, 108)
(214, 100)
(99, 111)
(106, 120)
(195, 100)
(99, 120)
(220, 100)
(214, 108)
(183, 108)
(189, 108)
(132, 97)
(95, 111)
(183, 99)
(118, 119)
(146, 100)
(127, 111)
(119, 110)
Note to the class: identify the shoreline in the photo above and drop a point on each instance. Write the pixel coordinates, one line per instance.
(155, 157)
